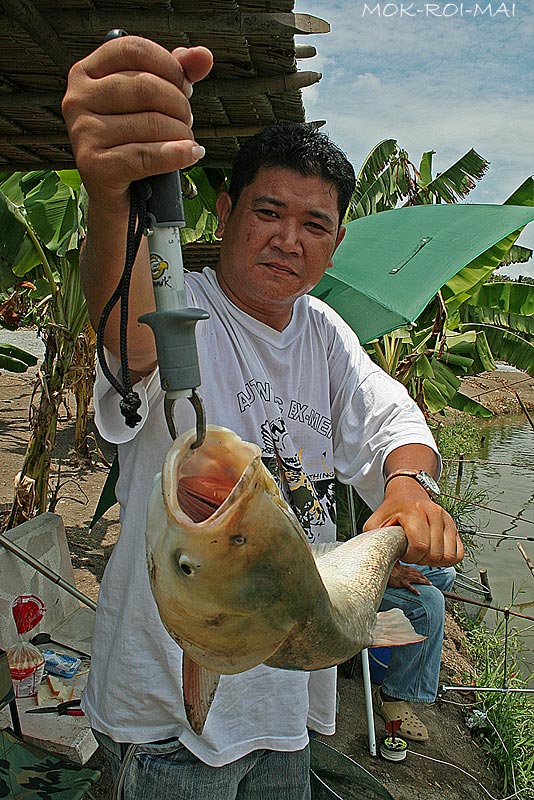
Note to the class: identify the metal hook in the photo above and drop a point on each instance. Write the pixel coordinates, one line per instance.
(200, 415)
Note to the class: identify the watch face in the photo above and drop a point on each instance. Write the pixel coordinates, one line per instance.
(428, 482)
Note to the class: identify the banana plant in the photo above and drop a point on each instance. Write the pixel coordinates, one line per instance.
(39, 239)
(41, 230)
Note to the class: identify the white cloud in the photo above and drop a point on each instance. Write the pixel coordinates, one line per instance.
(430, 82)
(450, 84)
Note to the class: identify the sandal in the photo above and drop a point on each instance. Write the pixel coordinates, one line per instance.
(411, 726)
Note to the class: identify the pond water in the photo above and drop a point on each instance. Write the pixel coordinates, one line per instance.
(507, 480)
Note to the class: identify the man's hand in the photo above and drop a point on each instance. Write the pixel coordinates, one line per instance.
(432, 536)
(402, 577)
(128, 115)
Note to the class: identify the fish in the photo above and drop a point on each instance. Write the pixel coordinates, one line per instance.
(237, 583)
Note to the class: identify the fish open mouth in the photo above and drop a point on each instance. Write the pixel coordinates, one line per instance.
(206, 477)
(199, 496)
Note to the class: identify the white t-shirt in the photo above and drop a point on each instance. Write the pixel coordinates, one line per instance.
(311, 398)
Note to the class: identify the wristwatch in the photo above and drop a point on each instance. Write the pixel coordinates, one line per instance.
(423, 478)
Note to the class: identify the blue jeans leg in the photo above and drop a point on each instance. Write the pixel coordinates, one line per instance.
(277, 775)
(413, 672)
(168, 771)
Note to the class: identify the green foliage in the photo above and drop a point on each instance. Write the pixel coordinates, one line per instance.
(40, 230)
(40, 241)
(517, 254)
(381, 181)
(454, 183)
(14, 359)
(523, 195)
(508, 736)
(468, 325)
(506, 304)
(509, 346)
(206, 184)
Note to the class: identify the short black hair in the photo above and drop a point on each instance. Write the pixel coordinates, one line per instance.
(296, 146)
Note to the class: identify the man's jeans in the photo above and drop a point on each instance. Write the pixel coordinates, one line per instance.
(413, 672)
(168, 771)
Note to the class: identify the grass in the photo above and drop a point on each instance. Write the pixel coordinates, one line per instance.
(508, 737)
(462, 436)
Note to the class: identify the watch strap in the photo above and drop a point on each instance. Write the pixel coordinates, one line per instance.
(410, 473)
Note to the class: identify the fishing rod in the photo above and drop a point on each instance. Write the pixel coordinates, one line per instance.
(486, 508)
(472, 585)
(506, 611)
(46, 571)
(443, 689)
(484, 461)
(505, 689)
(501, 387)
(499, 535)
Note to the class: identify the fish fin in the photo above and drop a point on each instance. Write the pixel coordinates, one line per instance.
(199, 686)
(394, 628)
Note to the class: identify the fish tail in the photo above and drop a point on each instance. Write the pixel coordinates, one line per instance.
(394, 628)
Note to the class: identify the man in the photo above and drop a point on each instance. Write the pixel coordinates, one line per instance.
(412, 675)
(279, 368)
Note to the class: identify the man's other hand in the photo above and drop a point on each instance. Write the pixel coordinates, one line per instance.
(433, 539)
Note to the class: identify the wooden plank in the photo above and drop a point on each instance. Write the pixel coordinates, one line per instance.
(61, 137)
(159, 22)
(224, 88)
(25, 14)
(24, 100)
(249, 87)
(218, 87)
(305, 51)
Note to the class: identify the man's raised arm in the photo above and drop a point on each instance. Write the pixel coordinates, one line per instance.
(128, 116)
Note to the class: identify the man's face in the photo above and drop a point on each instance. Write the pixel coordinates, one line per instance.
(277, 242)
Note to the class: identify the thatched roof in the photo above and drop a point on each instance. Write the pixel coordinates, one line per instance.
(255, 80)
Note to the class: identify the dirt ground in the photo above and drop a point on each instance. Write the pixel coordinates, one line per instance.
(417, 778)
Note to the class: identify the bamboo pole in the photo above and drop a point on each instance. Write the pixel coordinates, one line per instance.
(528, 562)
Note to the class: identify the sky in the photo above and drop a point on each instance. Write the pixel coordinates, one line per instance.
(434, 76)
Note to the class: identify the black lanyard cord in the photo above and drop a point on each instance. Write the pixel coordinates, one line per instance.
(131, 401)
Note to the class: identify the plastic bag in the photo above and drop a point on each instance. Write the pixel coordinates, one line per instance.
(26, 662)
(61, 664)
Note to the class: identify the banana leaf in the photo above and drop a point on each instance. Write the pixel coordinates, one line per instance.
(507, 346)
(523, 195)
(53, 214)
(13, 359)
(439, 390)
(461, 402)
(517, 254)
(507, 304)
(458, 180)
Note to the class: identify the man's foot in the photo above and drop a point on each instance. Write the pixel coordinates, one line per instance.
(411, 726)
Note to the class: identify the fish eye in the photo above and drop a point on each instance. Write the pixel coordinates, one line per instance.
(184, 564)
(237, 540)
